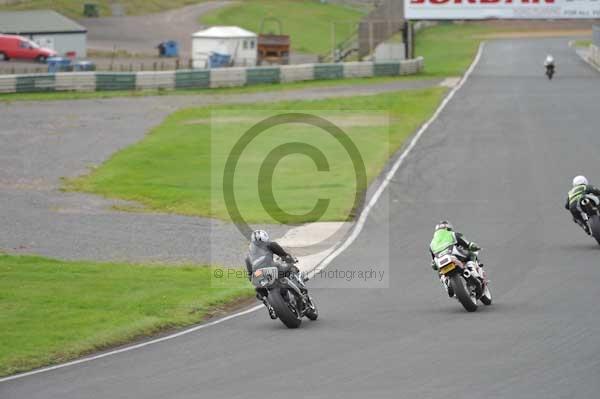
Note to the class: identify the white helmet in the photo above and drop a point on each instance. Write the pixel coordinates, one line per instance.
(580, 180)
(549, 58)
(260, 236)
(444, 224)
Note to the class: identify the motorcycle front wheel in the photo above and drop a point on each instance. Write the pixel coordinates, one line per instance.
(486, 298)
(285, 310)
(595, 227)
(461, 291)
(313, 312)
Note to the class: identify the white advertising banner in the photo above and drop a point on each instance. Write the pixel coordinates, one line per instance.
(501, 9)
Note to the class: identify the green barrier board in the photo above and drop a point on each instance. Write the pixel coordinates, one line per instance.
(35, 83)
(386, 69)
(262, 75)
(329, 71)
(192, 79)
(115, 81)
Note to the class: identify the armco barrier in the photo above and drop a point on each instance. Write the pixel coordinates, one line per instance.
(199, 79)
(410, 68)
(75, 81)
(358, 69)
(329, 71)
(155, 80)
(35, 83)
(115, 81)
(262, 75)
(594, 55)
(8, 84)
(386, 69)
(227, 77)
(207, 78)
(297, 73)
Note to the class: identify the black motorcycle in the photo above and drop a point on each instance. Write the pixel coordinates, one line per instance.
(287, 292)
(550, 69)
(590, 205)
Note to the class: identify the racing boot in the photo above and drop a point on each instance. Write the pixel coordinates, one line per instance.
(272, 313)
(265, 302)
(447, 286)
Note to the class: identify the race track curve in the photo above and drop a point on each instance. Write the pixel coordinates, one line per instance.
(497, 163)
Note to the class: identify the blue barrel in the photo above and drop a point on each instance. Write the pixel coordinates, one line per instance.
(58, 64)
(218, 60)
(168, 49)
(171, 49)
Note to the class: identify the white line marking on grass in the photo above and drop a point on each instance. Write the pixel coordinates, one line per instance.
(323, 264)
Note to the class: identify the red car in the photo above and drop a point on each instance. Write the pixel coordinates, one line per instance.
(19, 47)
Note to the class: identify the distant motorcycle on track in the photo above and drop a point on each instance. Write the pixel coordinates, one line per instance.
(550, 66)
(287, 292)
(466, 281)
(550, 69)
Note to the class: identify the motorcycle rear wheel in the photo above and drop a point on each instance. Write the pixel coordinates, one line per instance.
(461, 291)
(288, 317)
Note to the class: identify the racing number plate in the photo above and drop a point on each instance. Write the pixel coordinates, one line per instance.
(448, 268)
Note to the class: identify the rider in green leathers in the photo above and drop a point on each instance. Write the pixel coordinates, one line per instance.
(581, 187)
(445, 237)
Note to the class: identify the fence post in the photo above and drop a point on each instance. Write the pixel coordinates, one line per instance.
(371, 37)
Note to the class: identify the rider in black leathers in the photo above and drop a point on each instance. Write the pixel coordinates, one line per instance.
(262, 249)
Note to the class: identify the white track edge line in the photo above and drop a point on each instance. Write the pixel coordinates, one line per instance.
(132, 347)
(365, 213)
(355, 232)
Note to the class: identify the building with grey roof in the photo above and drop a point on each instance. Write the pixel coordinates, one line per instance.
(47, 28)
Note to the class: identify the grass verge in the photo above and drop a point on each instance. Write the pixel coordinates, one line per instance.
(449, 49)
(179, 166)
(583, 43)
(53, 311)
(74, 8)
(307, 22)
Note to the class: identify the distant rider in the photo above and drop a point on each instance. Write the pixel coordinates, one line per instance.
(261, 251)
(549, 62)
(444, 238)
(580, 189)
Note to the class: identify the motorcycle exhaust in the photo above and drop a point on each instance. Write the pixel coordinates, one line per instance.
(585, 202)
(467, 274)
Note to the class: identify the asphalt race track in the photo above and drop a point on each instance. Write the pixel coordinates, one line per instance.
(497, 163)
